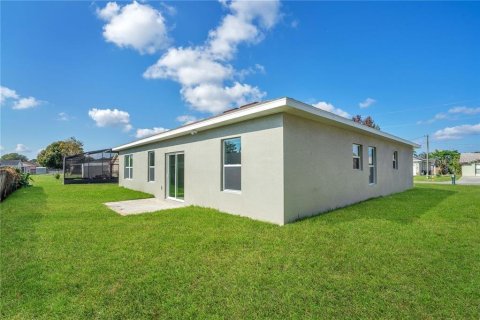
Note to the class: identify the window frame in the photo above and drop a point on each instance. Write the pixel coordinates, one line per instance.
(149, 166)
(372, 165)
(128, 166)
(224, 165)
(359, 157)
(395, 160)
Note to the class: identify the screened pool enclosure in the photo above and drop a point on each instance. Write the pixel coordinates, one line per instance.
(99, 166)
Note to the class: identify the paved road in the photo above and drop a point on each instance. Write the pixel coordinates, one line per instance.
(469, 181)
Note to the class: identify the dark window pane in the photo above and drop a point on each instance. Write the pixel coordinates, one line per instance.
(371, 177)
(171, 176)
(233, 178)
(356, 163)
(151, 174)
(126, 174)
(151, 158)
(232, 151)
(180, 176)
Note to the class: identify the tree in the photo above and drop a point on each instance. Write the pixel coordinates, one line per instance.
(14, 156)
(447, 160)
(368, 121)
(52, 155)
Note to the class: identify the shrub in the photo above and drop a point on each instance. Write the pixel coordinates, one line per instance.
(24, 179)
(57, 176)
(11, 179)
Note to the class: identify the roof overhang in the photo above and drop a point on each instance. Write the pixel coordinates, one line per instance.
(286, 105)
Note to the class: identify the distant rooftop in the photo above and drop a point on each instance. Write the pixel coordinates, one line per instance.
(469, 157)
(10, 163)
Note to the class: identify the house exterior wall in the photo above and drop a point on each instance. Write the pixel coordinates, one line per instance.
(319, 174)
(261, 174)
(468, 170)
(416, 168)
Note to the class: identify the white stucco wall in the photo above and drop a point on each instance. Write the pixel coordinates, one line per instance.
(262, 169)
(468, 170)
(319, 174)
(292, 167)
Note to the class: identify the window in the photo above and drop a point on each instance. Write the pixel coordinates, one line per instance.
(128, 164)
(372, 165)
(395, 160)
(151, 165)
(357, 156)
(232, 164)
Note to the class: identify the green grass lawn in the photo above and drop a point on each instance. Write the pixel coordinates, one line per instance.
(434, 178)
(411, 255)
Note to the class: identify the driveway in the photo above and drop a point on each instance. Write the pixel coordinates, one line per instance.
(469, 181)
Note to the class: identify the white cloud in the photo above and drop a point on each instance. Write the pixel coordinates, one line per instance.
(170, 10)
(6, 93)
(240, 26)
(25, 103)
(186, 119)
(207, 79)
(451, 113)
(331, 108)
(109, 11)
(190, 67)
(367, 103)
(111, 118)
(1, 148)
(63, 116)
(214, 98)
(464, 110)
(457, 132)
(137, 26)
(143, 133)
(21, 148)
(17, 102)
(257, 68)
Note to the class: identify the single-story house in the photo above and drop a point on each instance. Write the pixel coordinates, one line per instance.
(470, 162)
(23, 166)
(276, 161)
(420, 166)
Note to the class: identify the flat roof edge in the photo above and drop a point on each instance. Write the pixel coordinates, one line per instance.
(261, 109)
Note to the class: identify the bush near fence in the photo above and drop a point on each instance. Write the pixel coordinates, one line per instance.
(11, 179)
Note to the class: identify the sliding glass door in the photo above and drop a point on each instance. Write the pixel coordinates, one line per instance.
(176, 176)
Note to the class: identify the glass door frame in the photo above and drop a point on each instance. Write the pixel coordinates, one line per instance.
(167, 176)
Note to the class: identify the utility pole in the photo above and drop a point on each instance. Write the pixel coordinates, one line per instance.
(428, 163)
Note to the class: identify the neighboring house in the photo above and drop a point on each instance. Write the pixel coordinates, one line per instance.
(23, 166)
(420, 166)
(470, 163)
(29, 167)
(417, 163)
(276, 161)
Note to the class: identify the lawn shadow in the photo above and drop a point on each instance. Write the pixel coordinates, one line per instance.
(404, 207)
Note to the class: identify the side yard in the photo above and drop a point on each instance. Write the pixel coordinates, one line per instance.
(410, 255)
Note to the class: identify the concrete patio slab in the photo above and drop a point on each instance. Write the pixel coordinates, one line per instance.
(139, 206)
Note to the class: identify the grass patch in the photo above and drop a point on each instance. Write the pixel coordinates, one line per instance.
(434, 178)
(410, 255)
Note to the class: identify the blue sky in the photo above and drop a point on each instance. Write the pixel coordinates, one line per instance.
(109, 73)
